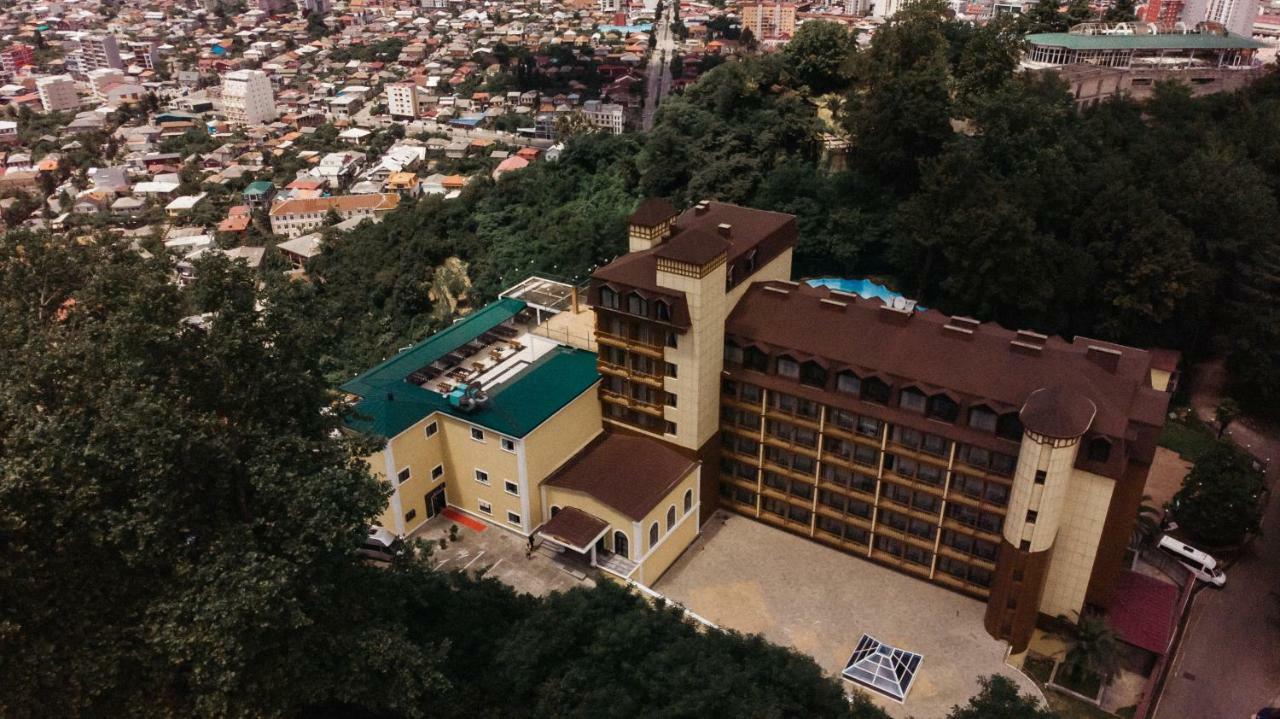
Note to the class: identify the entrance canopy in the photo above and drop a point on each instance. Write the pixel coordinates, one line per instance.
(574, 529)
(882, 668)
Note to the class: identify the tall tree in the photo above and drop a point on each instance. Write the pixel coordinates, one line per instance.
(999, 699)
(820, 54)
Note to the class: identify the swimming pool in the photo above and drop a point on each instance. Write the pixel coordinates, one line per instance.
(864, 288)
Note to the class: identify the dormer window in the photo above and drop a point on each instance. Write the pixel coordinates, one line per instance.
(1009, 426)
(983, 419)
(732, 353)
(943, 408)
(637, 305)
(848, 382)
(608, 298)
(755, 359)
(813, 374)
(788, 367)
(663, 310)
(875, 390)
(912, 400)
(1099, 449)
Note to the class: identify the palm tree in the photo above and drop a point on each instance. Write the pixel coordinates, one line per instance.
(1095, 650)
(1147, 524)
(1225, 414)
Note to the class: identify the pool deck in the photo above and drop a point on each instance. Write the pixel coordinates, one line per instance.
(744, 575)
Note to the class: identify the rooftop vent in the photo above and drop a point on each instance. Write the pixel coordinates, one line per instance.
(963, 326)
(1105, 357)
(1028, 342)
(701, 208)
(469, 397)
(725, 229)
(897, 309)
(778, 290)
(832, 304)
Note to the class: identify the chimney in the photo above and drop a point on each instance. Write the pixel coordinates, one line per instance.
(701, 208)
(725, 229)
(573, 299)
(1105, 357)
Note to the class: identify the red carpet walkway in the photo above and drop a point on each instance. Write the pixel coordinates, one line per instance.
(464, 520)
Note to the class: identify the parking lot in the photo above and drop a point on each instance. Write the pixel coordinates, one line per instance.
(744, 575)
(502, 555)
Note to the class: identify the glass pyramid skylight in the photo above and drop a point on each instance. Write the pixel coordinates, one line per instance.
(882, 668)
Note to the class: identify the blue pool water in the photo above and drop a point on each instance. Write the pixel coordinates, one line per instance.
(864, 288)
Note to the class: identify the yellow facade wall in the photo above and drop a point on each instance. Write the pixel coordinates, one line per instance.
(1079, 532)
(465, 456)
(671, 543)
(556, 440)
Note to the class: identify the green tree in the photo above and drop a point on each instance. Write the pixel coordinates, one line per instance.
(1227, 411)
(1079, 11)
(1045, 16)
(820, 55)
(999, 699)
(1220, 501)
(1120, 11)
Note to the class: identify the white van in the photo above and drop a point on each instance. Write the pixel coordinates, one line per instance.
(1197, 562)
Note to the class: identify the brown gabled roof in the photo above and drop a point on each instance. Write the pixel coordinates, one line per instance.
(629, 473)
(983, 364)
(653, 211)
(573, 527)
(695, 246)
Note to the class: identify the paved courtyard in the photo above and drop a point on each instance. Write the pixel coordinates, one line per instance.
(744, 575)
(502, 555)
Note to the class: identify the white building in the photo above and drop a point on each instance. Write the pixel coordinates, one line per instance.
(606, 116)
(610, 5)
(58, 92)
(402, 99)
(247, 98)
(1236, 16)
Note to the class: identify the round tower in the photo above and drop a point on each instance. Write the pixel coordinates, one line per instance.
(1053, 421)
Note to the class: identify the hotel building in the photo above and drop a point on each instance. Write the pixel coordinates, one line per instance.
(299, 216)
(1005, 465)
(247, 98)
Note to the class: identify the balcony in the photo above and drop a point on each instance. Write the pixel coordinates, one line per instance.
(629, 373)
(649, 408)
(631, 345)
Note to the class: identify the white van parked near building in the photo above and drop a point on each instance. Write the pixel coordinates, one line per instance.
(1204, 567)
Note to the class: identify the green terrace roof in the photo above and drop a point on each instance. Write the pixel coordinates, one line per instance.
(1170, 41)
(389, 405)
(259, 187)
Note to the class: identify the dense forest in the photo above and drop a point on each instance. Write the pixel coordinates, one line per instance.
(971, 187)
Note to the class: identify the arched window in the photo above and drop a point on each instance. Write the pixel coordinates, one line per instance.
(653, 536)
(663, 310)
(554, 510)
(608, 298)
(1099, 449)
(620, 544)
(813, 374)
(688, 501)
(671, 517)
(637, 305)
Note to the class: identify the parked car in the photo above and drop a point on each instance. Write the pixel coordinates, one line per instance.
(382, 545)
(1200, 564)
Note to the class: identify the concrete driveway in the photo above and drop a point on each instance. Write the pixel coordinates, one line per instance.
(1228, 663)
(745, 575)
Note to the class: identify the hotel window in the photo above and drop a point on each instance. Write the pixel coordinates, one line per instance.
(671, 517)
(788, 367)
(688, 501)
(511, 488)
(432, 428)
(976, 456)
(402, 476)
(865, 455)
(408, 516)
(485, 507)
(907, 437)
(751, 393)
(513, 518)
(755, 359)
(672, 340)
(477, 434)
(925, 502)
(1099, 449)
(637, 305)
(997, 494)
(774, 506)
(508, 444)
(1003, 464)
(869, 426)
(798, 514)
(848, 382)
(813, 374)
(608, 298)
(732, 353)
(1025, 545)
(942, 407)
(1009, 427)
(912, 400)
(482, 476)
(983, 419)
(930, 474)
(936, 445)
(875, 390)
(890, 545)
(916, 555)
(1041, 476)
(662, 310)
(438, 472)
(671, 369)
(1032, 516)
(653, 536)
(670, 427)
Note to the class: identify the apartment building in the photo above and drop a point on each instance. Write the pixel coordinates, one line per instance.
(490, 419)
(1005, 465)
(16, 56)
(769, 20)
(606, 116)
(402, 100)
(247, 98)
(102, 79)
(97, 52)
(299, 216)
(57, 93)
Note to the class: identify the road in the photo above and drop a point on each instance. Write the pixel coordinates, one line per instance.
(1228, 664)
(658, 74)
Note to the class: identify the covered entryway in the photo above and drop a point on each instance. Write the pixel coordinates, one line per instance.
(435, 501)
(575, 532)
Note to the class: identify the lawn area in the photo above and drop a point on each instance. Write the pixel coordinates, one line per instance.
(1189, 437)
